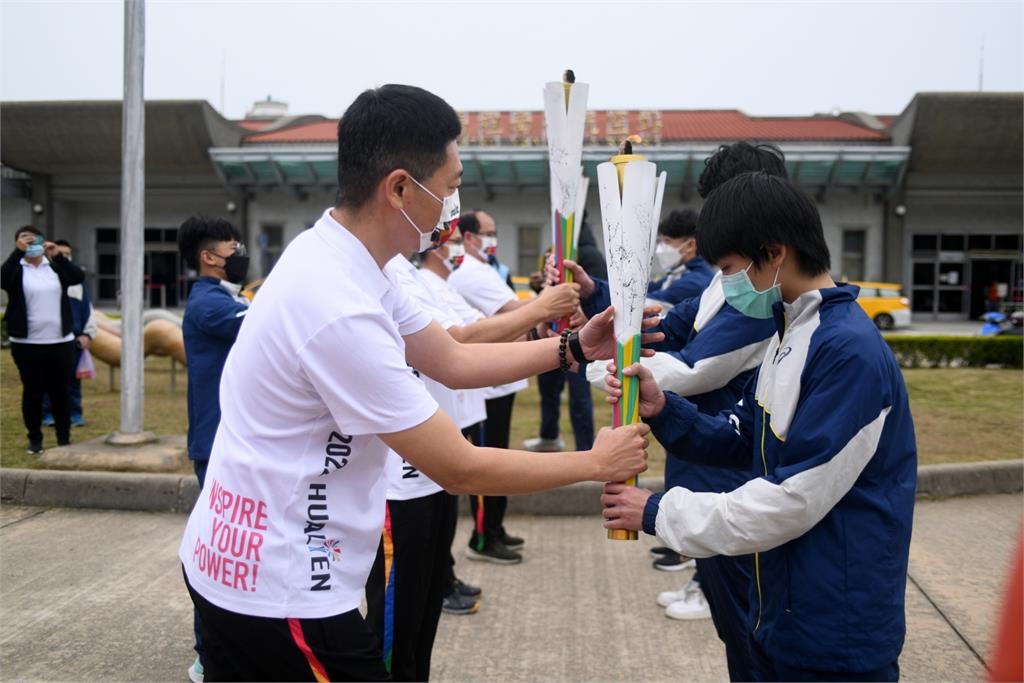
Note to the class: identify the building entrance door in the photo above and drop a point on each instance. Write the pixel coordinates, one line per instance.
(984, 272)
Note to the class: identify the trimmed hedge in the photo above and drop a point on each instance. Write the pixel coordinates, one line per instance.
(945, 351)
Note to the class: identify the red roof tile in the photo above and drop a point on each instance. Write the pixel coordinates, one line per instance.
(319, 131)
(611, 127)
(255, 124)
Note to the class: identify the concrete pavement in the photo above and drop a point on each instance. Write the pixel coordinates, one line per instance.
(95, 594)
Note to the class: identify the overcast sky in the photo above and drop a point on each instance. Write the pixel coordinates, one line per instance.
(764, 58)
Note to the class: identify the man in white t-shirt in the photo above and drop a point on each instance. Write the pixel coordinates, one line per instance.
(484, 288)
(318, 387)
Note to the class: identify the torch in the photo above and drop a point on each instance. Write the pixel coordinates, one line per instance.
(631, 192)
(565, 110)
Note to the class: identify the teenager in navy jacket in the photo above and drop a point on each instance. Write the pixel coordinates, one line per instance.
(213, 316)
(827, 423)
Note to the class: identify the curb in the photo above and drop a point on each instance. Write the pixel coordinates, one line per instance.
(177, 493)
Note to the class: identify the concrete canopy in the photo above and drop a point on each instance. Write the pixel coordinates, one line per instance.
(963, 139)
(83, 138)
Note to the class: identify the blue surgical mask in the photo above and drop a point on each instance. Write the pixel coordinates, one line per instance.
(741, 295)
(36, 248)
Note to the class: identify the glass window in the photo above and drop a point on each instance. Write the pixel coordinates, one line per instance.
(107, 264)
(867, 292)
(853, 254)
(171, 235)
(951, 274)
(890, 293)
(952, 243)
(923, 300)
(951, 301)
(924, 273)
(108, 289)
(154, 235)
(107, 235)
(1007, 242)
(979, 241)
(925, 243)
(272, 236)
(529, 249)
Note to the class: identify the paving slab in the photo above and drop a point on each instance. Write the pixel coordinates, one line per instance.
(98, 595)
(960, 557)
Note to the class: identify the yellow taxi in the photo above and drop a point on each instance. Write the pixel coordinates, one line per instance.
(884, 303)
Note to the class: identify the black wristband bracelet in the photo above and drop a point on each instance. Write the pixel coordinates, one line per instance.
(577, 348)
(563, 362)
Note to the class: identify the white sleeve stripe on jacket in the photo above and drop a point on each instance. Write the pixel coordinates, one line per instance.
(707, 374)
(761, 515)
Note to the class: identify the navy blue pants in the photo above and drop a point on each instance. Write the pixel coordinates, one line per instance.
(772, 670)
(581, 406)
(726, 585)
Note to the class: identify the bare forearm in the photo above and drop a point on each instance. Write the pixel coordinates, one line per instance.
(500, 472)
(504, 327)
(485, 365)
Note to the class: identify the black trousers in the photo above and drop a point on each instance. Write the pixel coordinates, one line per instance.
(240, 647)
(45, 369)
(409, 580)
(489, 511)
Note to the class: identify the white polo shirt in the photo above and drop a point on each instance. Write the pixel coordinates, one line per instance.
(42, 290)
(481, 286)
(290, 517)
(472, 407)
(405, 481)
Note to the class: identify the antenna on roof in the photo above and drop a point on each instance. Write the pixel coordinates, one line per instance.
(981, 65)
(223, 69)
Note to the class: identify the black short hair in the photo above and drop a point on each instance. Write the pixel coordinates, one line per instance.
(387, 128)
(729, 161)
(29, 228)
(468, 222)
(64, 243)
(679, 223)
(199, 233)
(754, 210)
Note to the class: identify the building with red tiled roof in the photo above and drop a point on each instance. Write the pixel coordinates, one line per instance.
(656, 127)
(930, 198)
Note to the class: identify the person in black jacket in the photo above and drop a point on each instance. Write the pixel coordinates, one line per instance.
(36, 277)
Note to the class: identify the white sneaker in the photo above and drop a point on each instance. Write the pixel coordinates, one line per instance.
(692, 607)
(195, 672)
(539, 444)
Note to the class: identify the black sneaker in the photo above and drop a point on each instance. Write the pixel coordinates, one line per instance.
(459, 604)
(496, 552)
(512, 542)
(34, 447)
(466, 590)
(674, 562)
(660, 551)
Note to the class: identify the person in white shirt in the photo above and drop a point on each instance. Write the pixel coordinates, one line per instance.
(36, 277)
(318, 387)
(482, 286)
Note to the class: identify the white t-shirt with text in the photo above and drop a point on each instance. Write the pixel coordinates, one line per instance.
(290, 517)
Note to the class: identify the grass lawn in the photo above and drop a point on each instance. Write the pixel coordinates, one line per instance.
(960, 415)
(165, 412)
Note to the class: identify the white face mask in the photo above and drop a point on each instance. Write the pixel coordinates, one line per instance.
(450, 210)
(490, 245)
(456, 252)
(667, 255)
